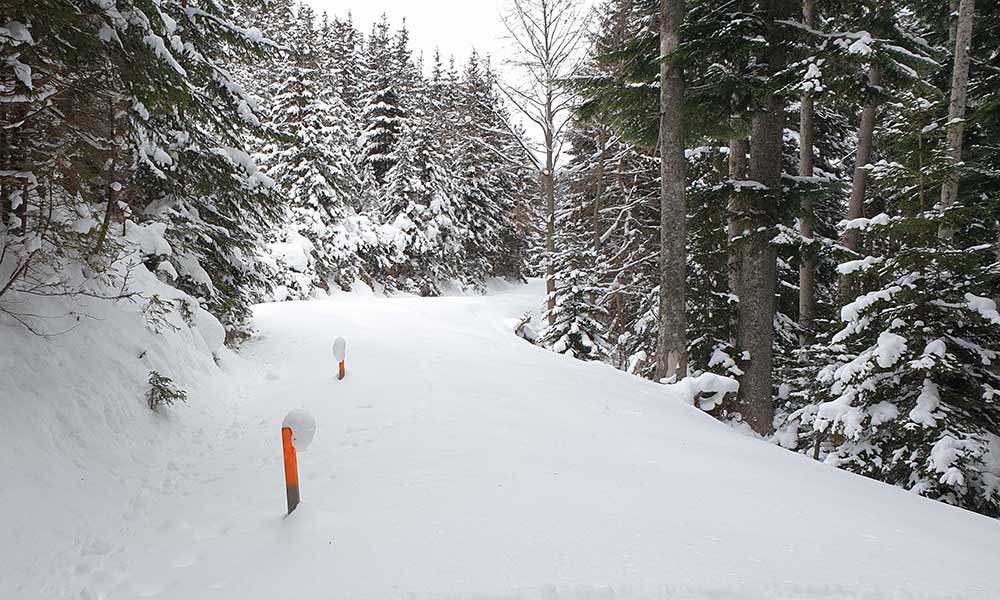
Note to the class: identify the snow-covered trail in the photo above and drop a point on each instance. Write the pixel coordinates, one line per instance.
(458, 461)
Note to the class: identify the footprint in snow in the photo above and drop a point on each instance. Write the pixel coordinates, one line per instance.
(184, 562)
(99, 548)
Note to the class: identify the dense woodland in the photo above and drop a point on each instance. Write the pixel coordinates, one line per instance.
(278, 152)
(795, 210)
(838, 186)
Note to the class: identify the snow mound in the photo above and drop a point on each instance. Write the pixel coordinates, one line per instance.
(84, 458)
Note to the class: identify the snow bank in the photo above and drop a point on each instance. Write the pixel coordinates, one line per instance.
(83, 456)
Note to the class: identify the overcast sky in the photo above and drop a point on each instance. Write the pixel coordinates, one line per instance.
(456, 26)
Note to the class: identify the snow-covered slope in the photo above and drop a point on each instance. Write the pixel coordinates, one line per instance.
(455, 461)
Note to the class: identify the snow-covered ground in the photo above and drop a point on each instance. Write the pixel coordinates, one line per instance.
(455, 461)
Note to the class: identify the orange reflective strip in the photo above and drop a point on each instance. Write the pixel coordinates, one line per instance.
(343, 369)
(291, 464)
(291, 469)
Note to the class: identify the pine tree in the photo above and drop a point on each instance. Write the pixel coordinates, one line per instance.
(310, 157)
(422, 249)
(577, 321)
(150, 124)
(483, 169)
(905, 394)
(347, 64)
(382, 112)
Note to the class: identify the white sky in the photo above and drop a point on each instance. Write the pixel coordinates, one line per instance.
(455, 26)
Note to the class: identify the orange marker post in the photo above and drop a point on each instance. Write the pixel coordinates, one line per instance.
(291, 469)
(340, 354)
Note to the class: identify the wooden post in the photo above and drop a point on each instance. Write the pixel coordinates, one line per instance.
(340, 355)
(291, 469)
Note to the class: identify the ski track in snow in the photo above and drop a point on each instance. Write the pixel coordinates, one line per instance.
(457, 461)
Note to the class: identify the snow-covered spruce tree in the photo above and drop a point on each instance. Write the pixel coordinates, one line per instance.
(406, 72)
(346, 62)
(150, 125)
(50, 52)
(514, 180)
(310, 159)
(914, 400)
(907, 395)
(442, 100)
(620, 93)
(419, 249)
(488, 178)
(576, 320)
(382, 112)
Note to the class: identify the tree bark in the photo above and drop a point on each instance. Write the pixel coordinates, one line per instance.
(113, 185)
(549, 178)
(671, 343)
(602, 145)
(759, 274)
(856, 205)
(759, 257)
(738, 165)
(5, 204)
(952, 22)
(956, 109)
(807, 262)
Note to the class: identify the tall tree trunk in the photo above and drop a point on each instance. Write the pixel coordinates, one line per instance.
(956, 108)
(759, 257)
(738, 165)
(602, 146)
(5, 204)
(952, 22)
(112, 177)
(759, 273)
(856, 205)
(549, 178)
(671, 343)
(807, 262)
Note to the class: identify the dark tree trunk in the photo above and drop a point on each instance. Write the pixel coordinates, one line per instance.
(759, 257)
(807, 263)
(956, 108)
(5, 207)
(549, 182)
(738, 166)
(859, 186)
(671, 343)
(759, 273)
(602, 146)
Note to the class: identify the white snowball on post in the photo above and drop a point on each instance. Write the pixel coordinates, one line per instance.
(340, 349)
(303, 427)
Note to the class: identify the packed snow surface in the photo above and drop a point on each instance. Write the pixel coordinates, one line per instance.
(454, 461)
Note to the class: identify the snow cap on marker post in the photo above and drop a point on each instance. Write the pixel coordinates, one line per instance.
(303, 427)
(340, 349)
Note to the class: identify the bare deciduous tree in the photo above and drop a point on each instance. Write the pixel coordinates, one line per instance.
(548, 37)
